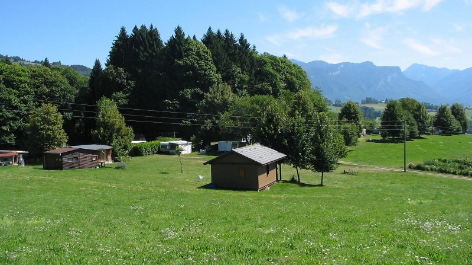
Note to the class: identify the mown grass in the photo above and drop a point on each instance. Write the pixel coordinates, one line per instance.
(150, 213)
(372, 150)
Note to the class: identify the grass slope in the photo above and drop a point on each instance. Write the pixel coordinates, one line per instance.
(379, 153)
(150, 213)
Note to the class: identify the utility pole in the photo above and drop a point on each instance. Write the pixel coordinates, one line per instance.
(404, 145)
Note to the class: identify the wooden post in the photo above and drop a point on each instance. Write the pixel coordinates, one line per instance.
(404, 146)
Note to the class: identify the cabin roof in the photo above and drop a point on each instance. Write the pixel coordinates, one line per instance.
(92, 146)
(258, 153)
(60, 150)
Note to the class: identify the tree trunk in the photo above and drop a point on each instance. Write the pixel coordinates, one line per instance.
(322, 177)
(181, 167)
(298, 174)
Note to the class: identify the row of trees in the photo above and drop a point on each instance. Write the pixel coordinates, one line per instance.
(297, 124)
(214, 88)
(23, 89)
(44, 129)
(144, 73)
(451, 119)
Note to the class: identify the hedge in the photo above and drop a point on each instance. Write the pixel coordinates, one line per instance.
(144, 149)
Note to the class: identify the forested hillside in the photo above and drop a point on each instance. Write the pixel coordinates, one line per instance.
(83, 70)
(183, 87)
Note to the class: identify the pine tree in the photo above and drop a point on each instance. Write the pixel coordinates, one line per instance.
(119, 53)
(46, 63)
(95, 82)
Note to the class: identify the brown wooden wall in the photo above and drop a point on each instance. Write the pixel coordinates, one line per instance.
(71, 160)
(236, 172)
(266, 178)
(52, 161)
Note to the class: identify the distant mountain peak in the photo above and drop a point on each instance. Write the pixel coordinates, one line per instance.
(356, 81)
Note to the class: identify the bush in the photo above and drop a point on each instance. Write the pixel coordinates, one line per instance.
(447, 166)
(144, 149)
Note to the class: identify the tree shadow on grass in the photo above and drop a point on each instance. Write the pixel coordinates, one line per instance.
(301, 184)
(210, 186)
(390, 141)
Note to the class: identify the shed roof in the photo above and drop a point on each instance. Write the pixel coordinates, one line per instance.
(8, 154)
(60, 150)
(258, 153)
(92, 146)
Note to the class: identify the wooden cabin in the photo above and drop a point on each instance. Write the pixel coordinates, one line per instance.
(253, 167)
(103, 152)
(70, 158)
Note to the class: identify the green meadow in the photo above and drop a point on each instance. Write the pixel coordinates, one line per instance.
(150, 213)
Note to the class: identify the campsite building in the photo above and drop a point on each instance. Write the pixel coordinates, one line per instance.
(81, 156)
(252, 167)
(10, 157)
(170, 147)
(102, 151)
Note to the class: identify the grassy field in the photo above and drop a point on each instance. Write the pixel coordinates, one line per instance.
(379, 153)
(150, 213)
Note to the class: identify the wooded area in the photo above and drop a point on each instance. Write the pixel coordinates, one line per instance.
(216, 88)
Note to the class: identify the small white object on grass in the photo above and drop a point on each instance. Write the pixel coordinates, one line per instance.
(200, 177)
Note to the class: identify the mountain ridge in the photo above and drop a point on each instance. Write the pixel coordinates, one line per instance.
(356, 81)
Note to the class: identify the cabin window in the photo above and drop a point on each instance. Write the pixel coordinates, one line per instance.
(73, 159)
(242, 172)
(94, 158)
(58, 159)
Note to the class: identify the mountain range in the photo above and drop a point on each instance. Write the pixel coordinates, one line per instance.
(356, 81)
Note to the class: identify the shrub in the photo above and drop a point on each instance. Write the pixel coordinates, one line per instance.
(144, 149)
(447, 166)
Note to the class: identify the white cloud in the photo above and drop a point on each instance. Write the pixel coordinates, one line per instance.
(447, 45)
(262, 18)
(429, 4)
(288, 14)
(323, 32)
(332, 58)
(457, 27)
(365, 9)
(372, 42)
(374, 37)
(314, 33)
(421, 48)
(339, 9)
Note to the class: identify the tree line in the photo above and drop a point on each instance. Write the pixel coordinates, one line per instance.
(215, 88)
(409, 112)
(218, 87)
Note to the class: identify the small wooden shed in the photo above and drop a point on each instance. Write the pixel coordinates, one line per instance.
(70, 158)
(252, 167)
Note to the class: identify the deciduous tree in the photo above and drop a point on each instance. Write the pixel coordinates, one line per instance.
(327, 145)
(445, 121)
(458, 111)
(44, 130)
(111, 128)
(392, 120)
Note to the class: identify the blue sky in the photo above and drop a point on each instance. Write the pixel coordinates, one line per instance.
(386, 32)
